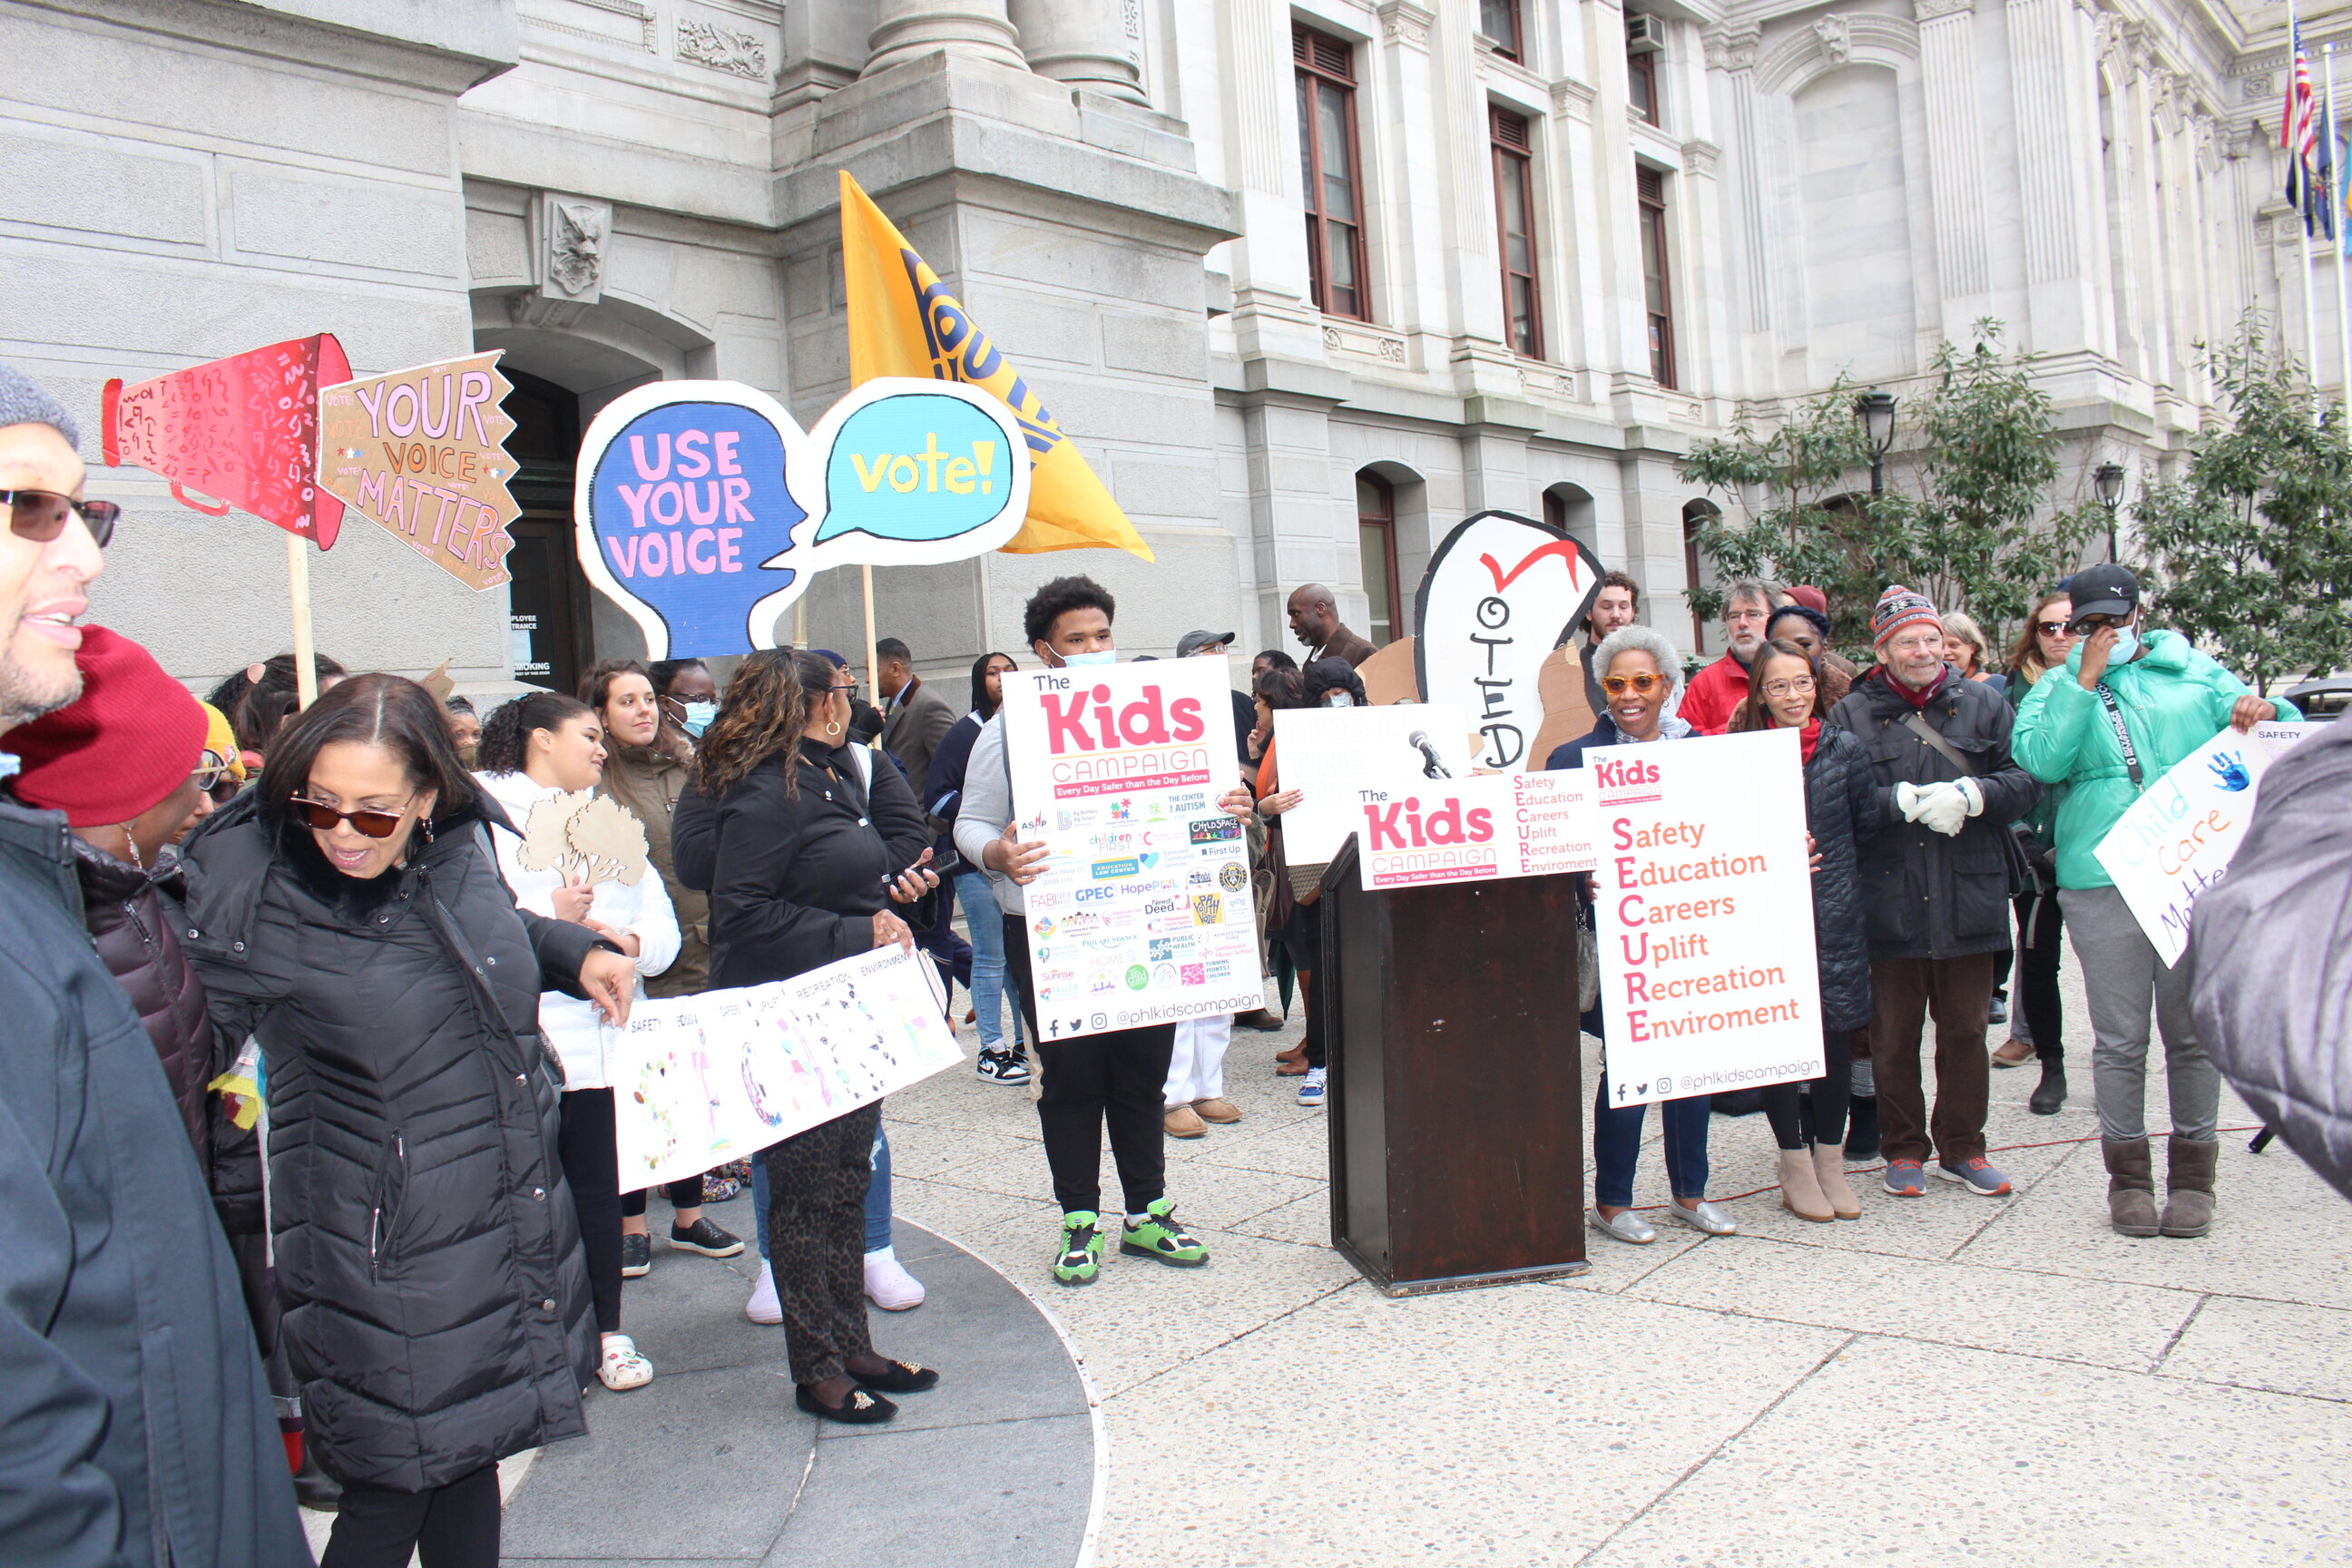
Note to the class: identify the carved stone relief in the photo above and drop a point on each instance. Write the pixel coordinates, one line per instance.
(1836, 37)
(1403, 22)
(722, 48)
(568, 239)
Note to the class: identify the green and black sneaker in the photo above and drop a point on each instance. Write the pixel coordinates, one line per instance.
(1081, 1257)
(1161, 1237)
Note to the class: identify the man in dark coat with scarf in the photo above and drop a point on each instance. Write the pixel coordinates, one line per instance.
(135, 1427)
(1935, 883)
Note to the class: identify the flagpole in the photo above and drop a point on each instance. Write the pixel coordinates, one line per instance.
(2336, 216)
(2302, 170)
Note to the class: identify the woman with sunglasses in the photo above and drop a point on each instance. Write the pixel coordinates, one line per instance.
(2037, 1023)
(811, 841)
(1639, 672)
(347, 913)
(534, 750)
(1786, 692)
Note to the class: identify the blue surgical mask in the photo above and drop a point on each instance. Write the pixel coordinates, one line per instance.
(1338, 699)
(2126, 645)
(698, 716)
(1108, 656)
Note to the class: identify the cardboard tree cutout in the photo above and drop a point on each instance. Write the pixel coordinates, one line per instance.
(585, 835)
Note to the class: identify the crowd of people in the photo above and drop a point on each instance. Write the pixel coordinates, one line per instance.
(312, 1147)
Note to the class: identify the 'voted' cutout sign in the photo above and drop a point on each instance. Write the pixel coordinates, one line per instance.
(703, 509)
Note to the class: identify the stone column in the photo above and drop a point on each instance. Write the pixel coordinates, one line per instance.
(1091, 44)
(1732, 52)
(2054, 164)
(975, 29)
(1948, 79)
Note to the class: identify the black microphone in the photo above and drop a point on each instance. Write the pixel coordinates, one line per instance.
(1431, 767)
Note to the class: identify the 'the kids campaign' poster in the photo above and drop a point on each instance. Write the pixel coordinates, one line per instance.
(1704, 909)
(1144, 913)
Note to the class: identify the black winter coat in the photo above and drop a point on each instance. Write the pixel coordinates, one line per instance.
(435, 1295)
(1842, 813)
(136, 1424)
(798, 878)
(1927, 895)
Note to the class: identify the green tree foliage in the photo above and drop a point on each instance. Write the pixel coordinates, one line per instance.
(2250, 554)
(1967, 530)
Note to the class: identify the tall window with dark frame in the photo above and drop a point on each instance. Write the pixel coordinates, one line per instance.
(1499, 20)
(1376, 545)
(1515, 226)
(1650, 194)
(1327, 164)
(1641, 83)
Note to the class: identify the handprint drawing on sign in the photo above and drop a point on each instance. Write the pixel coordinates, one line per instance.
(2230, 771)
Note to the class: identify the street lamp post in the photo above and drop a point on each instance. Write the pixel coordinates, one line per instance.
(2109, 478)
(1876, 412)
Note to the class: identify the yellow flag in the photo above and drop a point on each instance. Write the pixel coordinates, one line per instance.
(902, 322)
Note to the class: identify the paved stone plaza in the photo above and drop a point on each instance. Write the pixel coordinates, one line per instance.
(1950, 1380)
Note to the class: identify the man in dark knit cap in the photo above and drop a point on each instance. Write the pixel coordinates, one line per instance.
(135, 1427)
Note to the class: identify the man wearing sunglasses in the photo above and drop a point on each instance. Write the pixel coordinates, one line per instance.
(121, 1324)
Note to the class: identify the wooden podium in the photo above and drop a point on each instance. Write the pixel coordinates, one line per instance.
(1456, 1095)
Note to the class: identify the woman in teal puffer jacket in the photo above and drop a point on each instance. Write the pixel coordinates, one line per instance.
(2169, 700)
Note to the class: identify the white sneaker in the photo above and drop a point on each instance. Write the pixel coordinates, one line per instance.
(1310, 1088)
(764, 1307)
(889, 1286)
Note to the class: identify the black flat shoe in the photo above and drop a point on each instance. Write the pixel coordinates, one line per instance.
(860, 1409)
(904, 1377)
(2050, 1093)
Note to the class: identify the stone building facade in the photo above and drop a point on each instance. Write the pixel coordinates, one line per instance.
(1308, 282)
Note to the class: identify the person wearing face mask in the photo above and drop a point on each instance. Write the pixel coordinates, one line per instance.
(347, 913)
(689, 696)
(1938, 876)
(1333, 683)
(1113, 1079)
(536, 748)
(1840, 816)
(2124, 708)
(2037, 1023)
(1717, 690)
(647, 761)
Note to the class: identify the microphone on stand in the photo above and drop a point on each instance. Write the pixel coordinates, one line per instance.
(1430, 766)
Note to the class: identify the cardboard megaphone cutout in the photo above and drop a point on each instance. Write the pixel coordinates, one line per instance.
(703, 509)
(242, 431)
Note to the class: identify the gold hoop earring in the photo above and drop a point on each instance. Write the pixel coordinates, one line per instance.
(833, 728)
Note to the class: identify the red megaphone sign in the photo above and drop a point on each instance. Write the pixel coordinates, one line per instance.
(244, 430)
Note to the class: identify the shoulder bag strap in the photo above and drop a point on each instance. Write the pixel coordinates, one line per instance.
(1920, 726)
(2123, 736)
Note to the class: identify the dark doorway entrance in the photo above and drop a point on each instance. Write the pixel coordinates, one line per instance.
(548, 595)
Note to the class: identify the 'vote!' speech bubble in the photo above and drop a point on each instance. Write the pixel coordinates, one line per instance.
(703, 511)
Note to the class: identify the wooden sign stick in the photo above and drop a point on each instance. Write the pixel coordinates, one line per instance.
(873, 665)
(297, 592)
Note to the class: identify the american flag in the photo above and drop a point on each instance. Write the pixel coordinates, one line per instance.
(2296, 135)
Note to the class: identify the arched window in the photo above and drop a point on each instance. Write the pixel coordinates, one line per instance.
(1697, 573)
(1569, 508)
(1376, 544)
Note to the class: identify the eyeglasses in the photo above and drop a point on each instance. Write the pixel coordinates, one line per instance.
(322, 817)
(1796, 686)
(2052, 628)
(2098, 623)
(40, 515)
(1639, 684)
(213, 776)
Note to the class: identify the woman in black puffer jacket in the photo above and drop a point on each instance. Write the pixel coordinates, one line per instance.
(428, 1259)
(1785, 690)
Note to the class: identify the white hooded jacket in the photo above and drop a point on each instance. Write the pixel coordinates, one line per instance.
(574, 1031)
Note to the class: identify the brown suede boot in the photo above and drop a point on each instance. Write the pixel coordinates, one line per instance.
(1801, 1189)
(2131, 1186)
(2188, 1195)
(1829, 1169)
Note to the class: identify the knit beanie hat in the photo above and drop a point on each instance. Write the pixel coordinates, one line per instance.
(130, 738)
(1899, 607)
(220, 739)
(23, 403)
(1812, 598)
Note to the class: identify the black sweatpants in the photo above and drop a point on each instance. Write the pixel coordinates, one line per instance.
(816, 1240)
(456, 1526)
(1302, 937)
(2039, 948)
(1115, 1079)
(685, 1192)
(591, 1164)
(1813, 1111)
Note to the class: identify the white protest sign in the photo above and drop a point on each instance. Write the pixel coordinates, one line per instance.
(701, 1081)
(2178, 838)
(1501, 593)
(1143, 914)
(1325, 753)
(1412, 833)
(1704, 914)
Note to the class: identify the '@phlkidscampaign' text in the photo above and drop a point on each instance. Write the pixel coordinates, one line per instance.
(1143, 914)
(1705, 916)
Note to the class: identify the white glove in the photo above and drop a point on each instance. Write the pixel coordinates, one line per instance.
(1974, 793)
(1942, 809)
(1906, 796)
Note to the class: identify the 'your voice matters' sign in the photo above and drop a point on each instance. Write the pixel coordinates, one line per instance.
(702, 508)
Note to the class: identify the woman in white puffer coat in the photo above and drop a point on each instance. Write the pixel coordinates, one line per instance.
(532, 750)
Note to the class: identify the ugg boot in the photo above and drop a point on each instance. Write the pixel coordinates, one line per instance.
(1801, 1190)
(1862, 1128)
(2188, 1186)
(2131, 1186)
(1829, 1169)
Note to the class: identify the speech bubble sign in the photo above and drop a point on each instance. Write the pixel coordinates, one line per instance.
(688, 511)
(919, 472)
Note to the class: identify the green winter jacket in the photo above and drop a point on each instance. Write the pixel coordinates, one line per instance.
(2173, 699)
